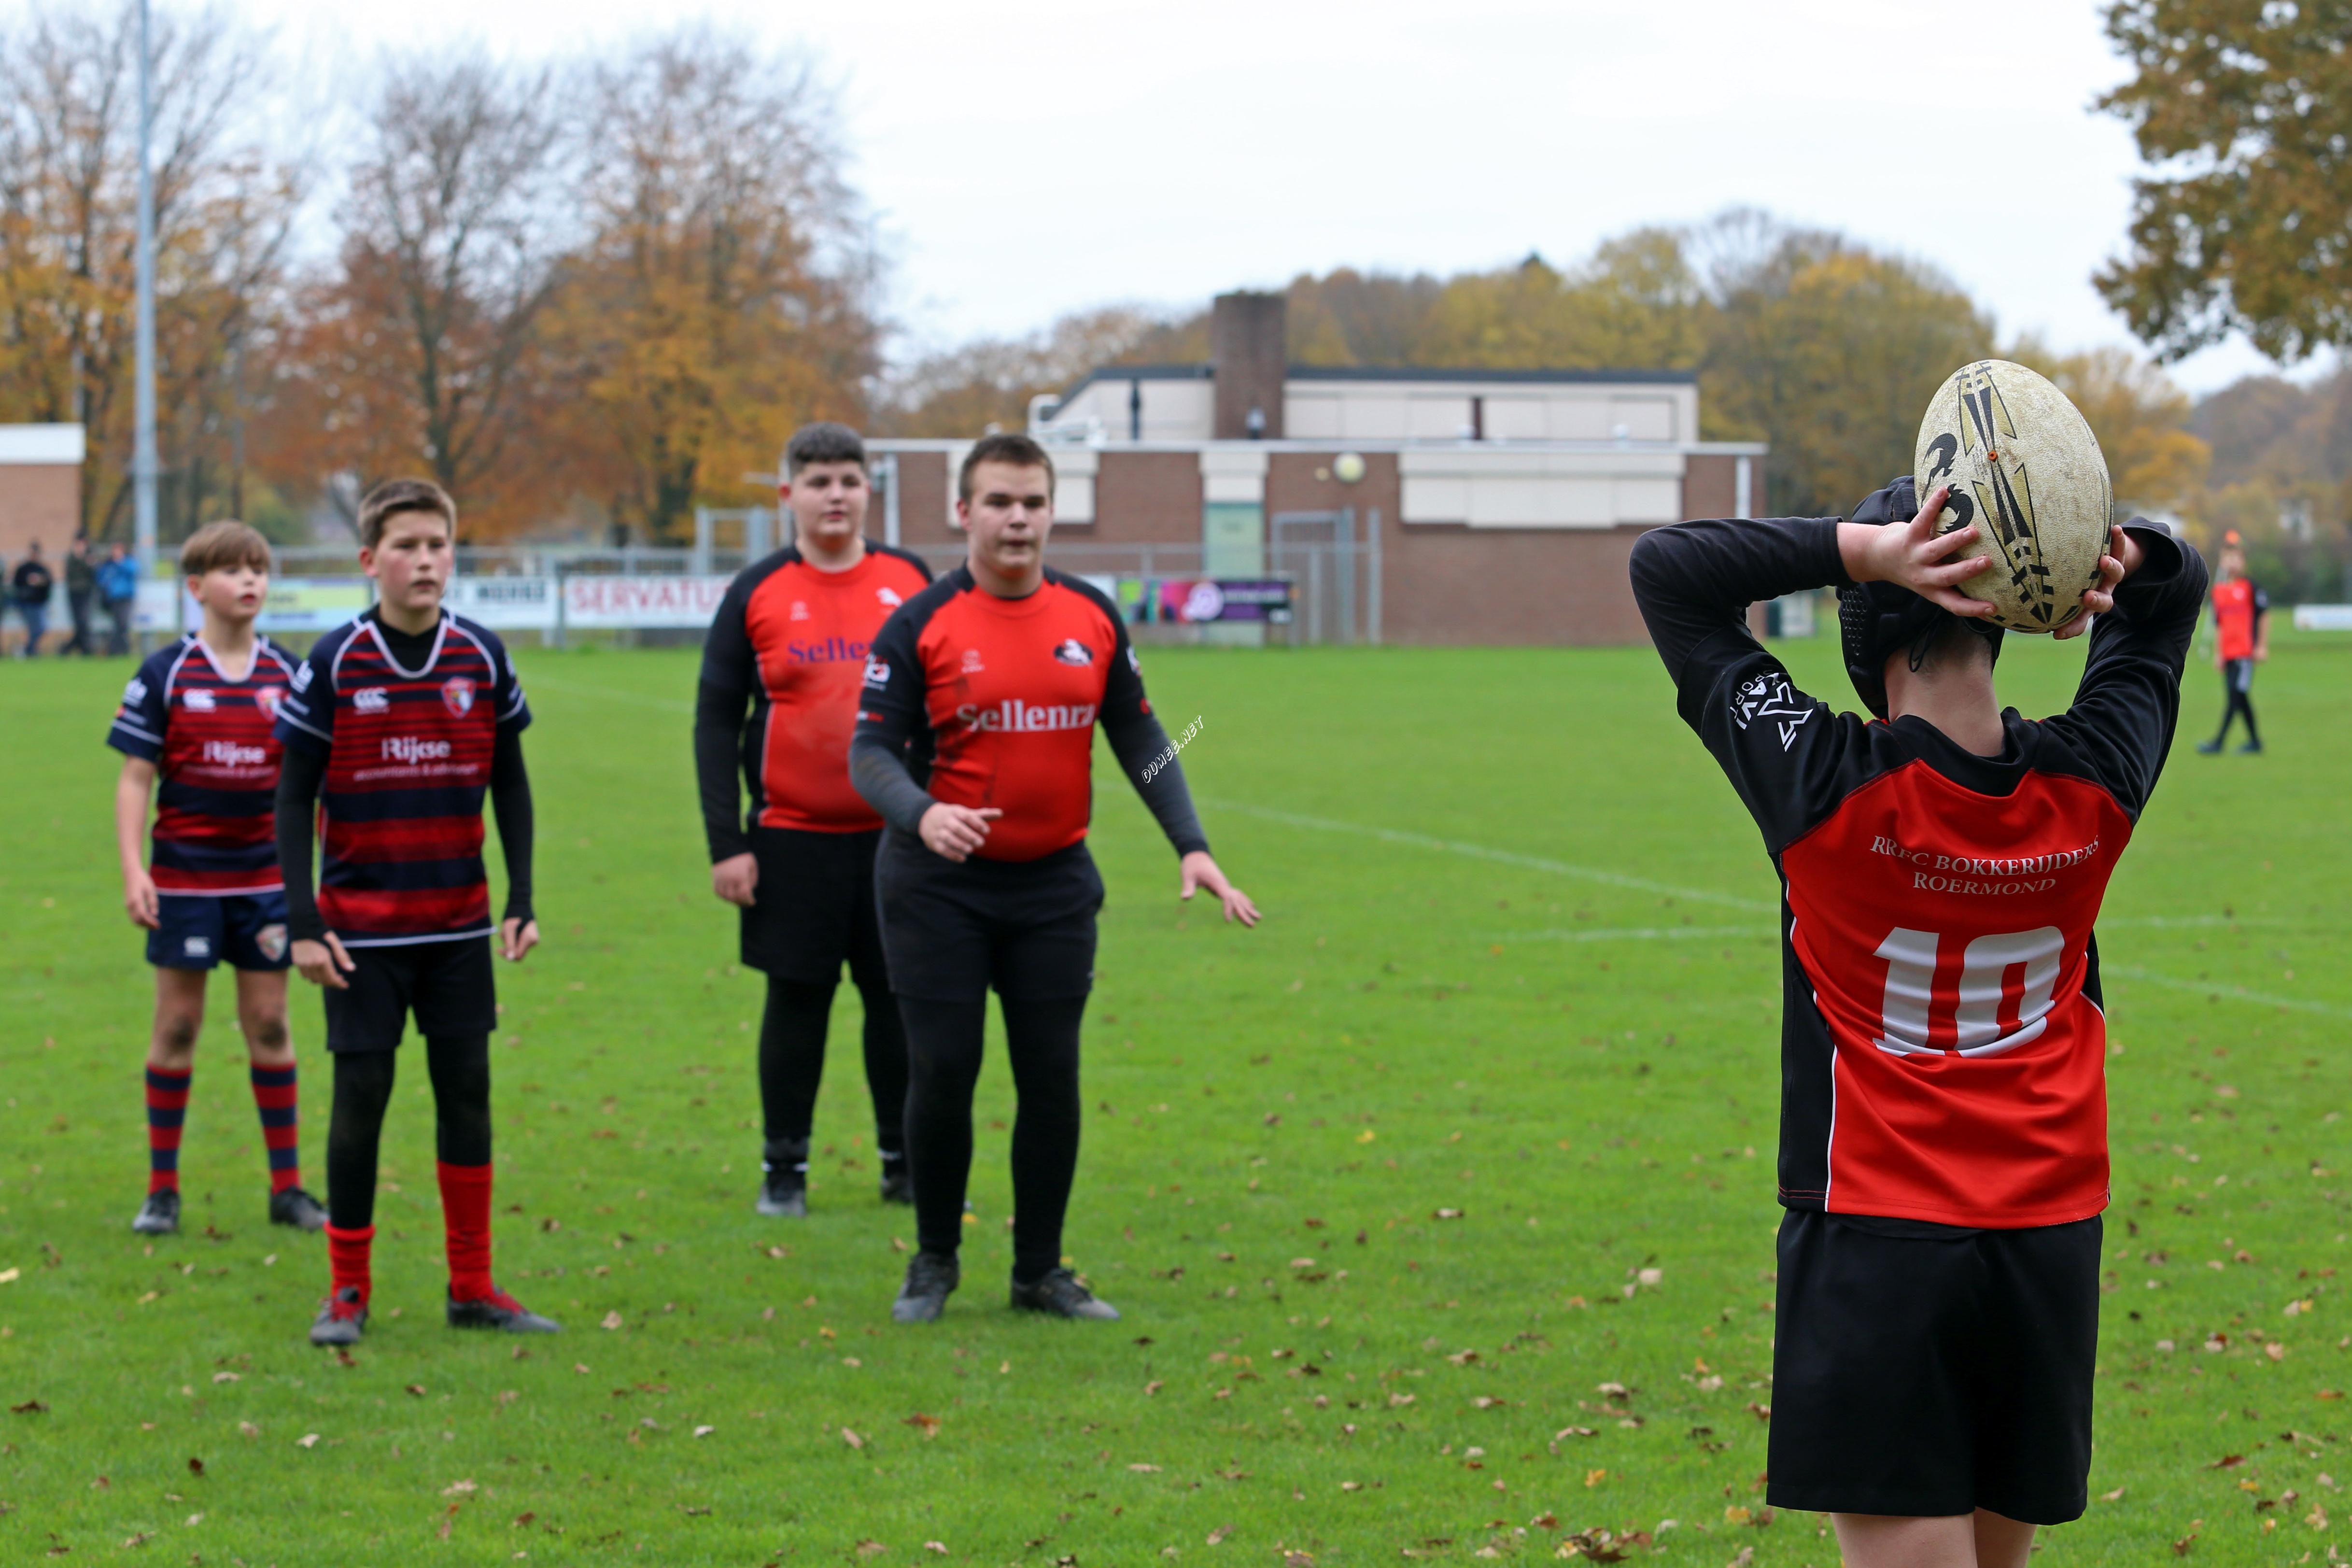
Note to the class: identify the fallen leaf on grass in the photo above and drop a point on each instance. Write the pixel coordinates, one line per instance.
(929, 1425)
(307, 1441)
(30, 1407)
(2114, 1496)
(853, 1439)
(1573, 1432)
(611, 1320)
(704, 1431)
(2180, 1547)
(1217, 1536)
(1447, 1214)
(1154, 1386)
(418, 1389)
(868, 1547)
(247, 1429)
(1142, 1469)
(227, 1377)
(2227, 1462)
(1297, 1559)
(459, 1488)
(939, 1546)
(195, 1467)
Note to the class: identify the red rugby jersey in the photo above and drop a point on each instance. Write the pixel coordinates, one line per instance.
(796, 640)
(1009, 692)
(1943, 1038)
(408, 759)
(216, 765)
(2238, 605)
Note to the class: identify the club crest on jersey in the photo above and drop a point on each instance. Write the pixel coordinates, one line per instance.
(135, 693)
(267, 698)
(198, 701)
(877, 672)
(271, 941)
(1768, 696)
(888, 596)
(800, 610)
(458, 696)
(971, 665)
(1071, 651)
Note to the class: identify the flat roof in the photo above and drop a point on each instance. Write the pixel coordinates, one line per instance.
(1395, 373)
(60, 443)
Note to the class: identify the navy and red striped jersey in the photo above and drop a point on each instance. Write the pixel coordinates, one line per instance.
(796, 640)
(1944, 1034)
(216, 765)
(408, 759)
(1009, 692)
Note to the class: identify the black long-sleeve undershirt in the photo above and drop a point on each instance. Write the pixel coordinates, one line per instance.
(302, 773)
(717, 754)
(879, 771)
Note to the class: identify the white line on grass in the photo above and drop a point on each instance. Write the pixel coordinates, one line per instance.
(1618, 879)
(2230, 993)
(1669, 933)
(1501, 856)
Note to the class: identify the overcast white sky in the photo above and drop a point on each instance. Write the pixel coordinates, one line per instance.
(1030, 159)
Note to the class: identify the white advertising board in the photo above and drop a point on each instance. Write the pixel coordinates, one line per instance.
(591, 602)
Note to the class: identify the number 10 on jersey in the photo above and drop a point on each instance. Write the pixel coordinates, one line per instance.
(2005, 991)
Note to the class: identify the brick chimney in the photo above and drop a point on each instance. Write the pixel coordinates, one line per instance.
(1248, 350)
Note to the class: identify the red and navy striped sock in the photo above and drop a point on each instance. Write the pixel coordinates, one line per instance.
(465, 1216)
(274, 1097)
(167, 1113)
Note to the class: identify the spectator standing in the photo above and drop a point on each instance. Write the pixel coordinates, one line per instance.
(81, 584)
(118, 585)
(32, 582)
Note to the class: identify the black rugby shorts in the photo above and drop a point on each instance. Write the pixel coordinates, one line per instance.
(954, 930)
(1925, 1371)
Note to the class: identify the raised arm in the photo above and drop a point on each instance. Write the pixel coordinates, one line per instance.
(2129, 702)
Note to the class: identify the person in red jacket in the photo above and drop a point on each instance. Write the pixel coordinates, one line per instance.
(2242, 626)
(1943, 1160)
(791, 639)
(997, 675)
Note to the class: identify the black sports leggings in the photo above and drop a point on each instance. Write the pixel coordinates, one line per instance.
(2237, 684)
(792, 1063)
(460, 1066)
(943, 1041)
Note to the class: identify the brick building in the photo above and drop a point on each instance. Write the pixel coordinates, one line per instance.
(40, 488)
(1411, 505)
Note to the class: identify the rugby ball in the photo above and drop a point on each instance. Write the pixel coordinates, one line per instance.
(2023, 464)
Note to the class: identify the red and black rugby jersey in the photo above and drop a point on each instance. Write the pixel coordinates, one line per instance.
(408, 759)
(216, 765)
(1009, 692)
(2237, 606)
(795, 640)
(1943, 1037)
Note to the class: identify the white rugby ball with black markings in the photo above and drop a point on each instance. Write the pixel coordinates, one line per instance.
(2023, 464)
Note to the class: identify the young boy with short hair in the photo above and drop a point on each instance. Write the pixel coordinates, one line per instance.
(1943, 1157)
(197, 718)
(398, 724)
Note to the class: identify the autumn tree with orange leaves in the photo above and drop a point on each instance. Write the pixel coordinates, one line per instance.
(718, 300)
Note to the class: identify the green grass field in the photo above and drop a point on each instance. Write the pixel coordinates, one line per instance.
(1480, 1120)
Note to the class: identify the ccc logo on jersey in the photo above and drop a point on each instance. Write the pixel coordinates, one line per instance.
(1071, 651)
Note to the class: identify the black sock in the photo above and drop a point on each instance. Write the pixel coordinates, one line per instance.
(791, 1065)
(461, 1066)
(943, 1044)
(1041, 1041)
(364, 1081)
